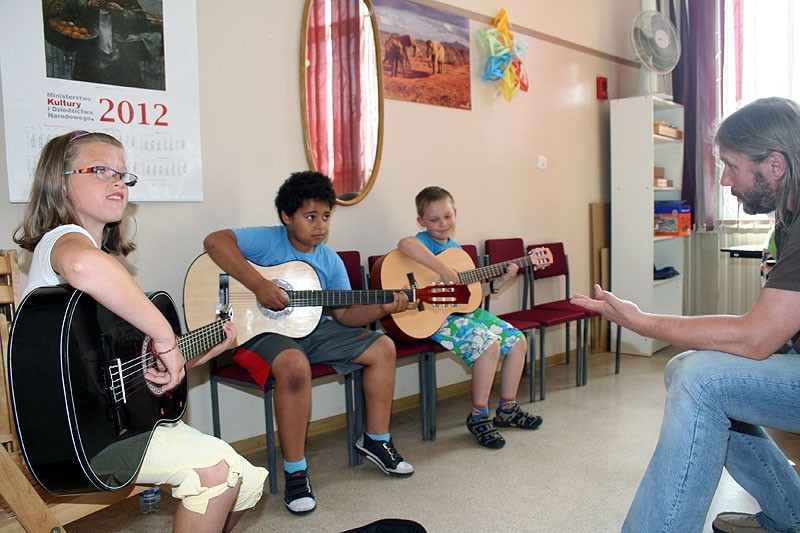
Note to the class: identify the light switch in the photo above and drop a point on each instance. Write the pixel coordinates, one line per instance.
(542, 163)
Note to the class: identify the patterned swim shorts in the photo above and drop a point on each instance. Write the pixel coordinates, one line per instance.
(469, 335)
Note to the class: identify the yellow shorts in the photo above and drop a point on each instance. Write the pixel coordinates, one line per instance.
(176, 450)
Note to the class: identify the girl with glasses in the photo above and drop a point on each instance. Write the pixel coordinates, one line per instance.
(73, 226)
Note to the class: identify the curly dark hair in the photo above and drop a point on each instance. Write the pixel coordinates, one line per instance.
(302, 186)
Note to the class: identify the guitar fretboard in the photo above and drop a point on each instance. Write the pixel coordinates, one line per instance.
(492, 271)
(317, 298)
(201, 339)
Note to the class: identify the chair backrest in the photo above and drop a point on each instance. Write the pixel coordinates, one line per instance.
(560, 266)
(500, 250)
(355, 270)
(371, 260)
(508, 249)
(9, 301)
(472, 250)
(10, 292)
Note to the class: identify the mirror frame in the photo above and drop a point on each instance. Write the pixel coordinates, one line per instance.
(304, 107)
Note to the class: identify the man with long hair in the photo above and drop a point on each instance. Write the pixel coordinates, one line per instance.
(744, 371)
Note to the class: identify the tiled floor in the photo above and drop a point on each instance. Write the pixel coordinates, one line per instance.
(577, 473)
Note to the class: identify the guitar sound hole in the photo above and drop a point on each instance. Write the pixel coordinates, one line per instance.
(148, 361)
(282, 313)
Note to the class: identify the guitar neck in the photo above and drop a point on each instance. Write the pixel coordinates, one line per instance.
(488, 272)
(337, 298)
(201, 339)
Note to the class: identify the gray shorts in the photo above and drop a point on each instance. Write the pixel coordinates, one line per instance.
(330, 344)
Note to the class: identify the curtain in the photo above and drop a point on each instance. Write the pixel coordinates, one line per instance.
(695, 86)
(334, 92)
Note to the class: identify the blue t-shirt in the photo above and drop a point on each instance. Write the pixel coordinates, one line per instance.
(434, 246)
(270, 246)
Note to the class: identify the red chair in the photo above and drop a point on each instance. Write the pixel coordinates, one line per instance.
(425, 351)
(510, 249)
(560, 267)
(526, 326)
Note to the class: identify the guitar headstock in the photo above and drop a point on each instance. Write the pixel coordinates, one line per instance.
(444, 294)
(541, 258)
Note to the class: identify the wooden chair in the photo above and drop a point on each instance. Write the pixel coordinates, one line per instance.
(23, 503)
(10, 293)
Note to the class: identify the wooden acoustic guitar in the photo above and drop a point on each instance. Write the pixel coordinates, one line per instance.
(84, 411)
(206, 287)
(397, 268)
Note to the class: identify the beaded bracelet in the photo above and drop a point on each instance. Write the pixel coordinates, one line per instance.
(153, 352)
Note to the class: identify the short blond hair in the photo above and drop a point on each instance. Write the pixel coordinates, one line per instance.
(431, 194)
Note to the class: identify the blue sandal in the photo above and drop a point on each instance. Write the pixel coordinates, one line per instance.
(485, 432)
(516, 418)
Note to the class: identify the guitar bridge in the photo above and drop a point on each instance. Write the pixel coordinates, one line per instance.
(117, 396)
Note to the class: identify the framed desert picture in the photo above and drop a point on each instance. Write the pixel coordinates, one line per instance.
(425, 54)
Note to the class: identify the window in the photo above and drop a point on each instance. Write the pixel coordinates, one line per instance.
(760, 56)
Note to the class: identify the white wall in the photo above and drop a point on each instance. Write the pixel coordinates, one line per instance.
(252, 139)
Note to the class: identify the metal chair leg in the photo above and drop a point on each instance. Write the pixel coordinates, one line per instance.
(532, 364)
(541, 363)
(215, 408)
(272, 461)
(422, 369)
(432, 395)
(352, 413)
(578, 354)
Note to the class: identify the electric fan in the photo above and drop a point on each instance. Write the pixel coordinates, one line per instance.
(656, 45)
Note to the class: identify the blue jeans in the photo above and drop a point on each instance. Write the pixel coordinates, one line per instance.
(716, 404)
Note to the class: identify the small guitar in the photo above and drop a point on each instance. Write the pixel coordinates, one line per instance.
(397, 268)
(84, 411)
(206, 286)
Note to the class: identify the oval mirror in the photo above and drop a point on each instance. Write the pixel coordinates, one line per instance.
(342, 94)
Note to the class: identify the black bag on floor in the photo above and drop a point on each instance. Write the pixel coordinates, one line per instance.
(390, 525)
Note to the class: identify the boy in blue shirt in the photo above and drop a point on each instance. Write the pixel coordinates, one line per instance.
(304, 203)
(479, 338)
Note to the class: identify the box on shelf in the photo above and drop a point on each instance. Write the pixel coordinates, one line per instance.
(662, 182)
(658, 172)
(672, 218)
(667, 131)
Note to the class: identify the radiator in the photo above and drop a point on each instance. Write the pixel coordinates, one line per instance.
(738, 278)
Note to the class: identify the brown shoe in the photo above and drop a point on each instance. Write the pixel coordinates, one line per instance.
(736, 523)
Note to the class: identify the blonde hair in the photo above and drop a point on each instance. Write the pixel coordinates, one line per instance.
(49, 205)
(431, 194)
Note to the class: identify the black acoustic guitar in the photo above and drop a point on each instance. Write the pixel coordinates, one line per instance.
(84, 412)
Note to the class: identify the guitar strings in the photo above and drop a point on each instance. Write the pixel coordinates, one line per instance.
(132, 372)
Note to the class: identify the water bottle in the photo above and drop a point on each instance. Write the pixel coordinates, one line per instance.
(150, 500)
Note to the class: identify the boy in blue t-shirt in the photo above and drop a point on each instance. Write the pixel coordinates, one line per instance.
(479, 338)
(304, 203)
